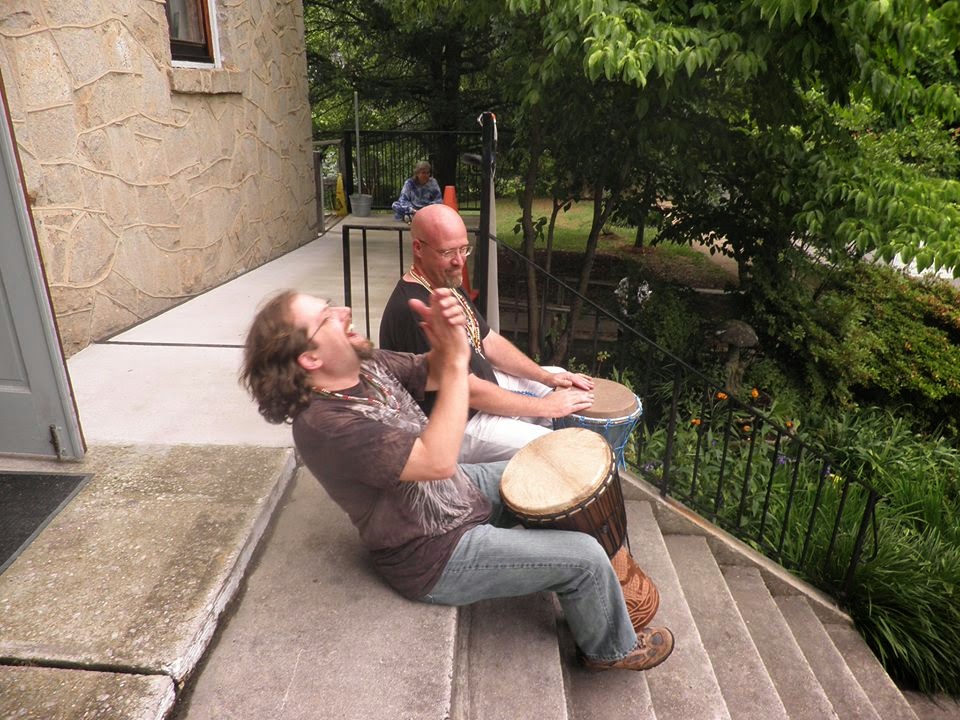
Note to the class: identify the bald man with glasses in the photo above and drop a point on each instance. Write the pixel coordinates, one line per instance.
(512, 399)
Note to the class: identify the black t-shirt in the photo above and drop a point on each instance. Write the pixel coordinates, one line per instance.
(400, 330)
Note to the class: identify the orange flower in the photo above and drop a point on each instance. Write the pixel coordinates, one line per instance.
(754, 393)
(789, 424)
(721, 395)
(695, 421)
(746, 428)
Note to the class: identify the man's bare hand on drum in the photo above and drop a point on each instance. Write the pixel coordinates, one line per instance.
(568, 379)
(563, 401)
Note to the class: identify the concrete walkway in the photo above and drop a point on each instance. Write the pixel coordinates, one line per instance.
(177, 373)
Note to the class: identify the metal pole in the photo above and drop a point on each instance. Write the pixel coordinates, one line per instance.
(318, 178)
(487, 158)
(356, 122)
(345, 243)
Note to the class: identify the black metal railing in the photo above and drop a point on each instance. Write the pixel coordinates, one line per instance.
(387, 159)
(727, 459)
(347, 232)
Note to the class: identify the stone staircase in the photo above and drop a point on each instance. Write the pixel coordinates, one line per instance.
(752, 644)
(317, 634)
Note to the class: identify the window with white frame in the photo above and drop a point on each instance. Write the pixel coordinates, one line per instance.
(191, 30)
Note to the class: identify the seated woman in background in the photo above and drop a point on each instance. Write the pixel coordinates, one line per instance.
(418, 191)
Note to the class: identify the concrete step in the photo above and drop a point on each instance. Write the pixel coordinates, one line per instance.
(884, 695)
(508, 662)
(317, 633)
(796, 683)
(122, 592)
(38, 693)
(933, 707)
(747, 688)
(845, 694)
(684, 686)
(315, 624)
(602, 695)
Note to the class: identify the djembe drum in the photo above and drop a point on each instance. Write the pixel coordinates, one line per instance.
(614, 414)
(568, 480)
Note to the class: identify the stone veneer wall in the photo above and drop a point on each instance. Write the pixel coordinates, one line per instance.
(151, 183)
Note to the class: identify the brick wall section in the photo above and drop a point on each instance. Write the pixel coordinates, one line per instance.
(150, 183)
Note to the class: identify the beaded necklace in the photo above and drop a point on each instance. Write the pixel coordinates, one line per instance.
(473, 325)
(385, 398)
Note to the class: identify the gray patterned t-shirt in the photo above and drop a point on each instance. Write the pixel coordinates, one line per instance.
(357, 450)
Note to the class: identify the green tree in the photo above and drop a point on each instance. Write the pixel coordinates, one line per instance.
(410, 71)
(787, 69)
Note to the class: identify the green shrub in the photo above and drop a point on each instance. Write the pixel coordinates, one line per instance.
(915, 360)
(867, 335)
(906, 600)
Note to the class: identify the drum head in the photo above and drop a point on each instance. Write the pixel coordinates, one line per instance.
(611, 400)
(556, 471)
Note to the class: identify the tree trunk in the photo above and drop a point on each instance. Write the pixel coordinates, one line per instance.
(641, 227)
(444, 114)
(601, 212)
(558, 205)
(535, 149)
(647, 203)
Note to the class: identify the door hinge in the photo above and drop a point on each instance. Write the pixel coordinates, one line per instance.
(55, 441)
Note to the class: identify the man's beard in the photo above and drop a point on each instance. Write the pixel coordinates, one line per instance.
(364, 349)
(451, 281)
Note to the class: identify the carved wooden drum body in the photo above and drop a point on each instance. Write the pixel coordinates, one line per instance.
(568, 480)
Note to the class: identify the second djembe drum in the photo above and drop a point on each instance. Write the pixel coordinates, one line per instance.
(568, 480)
(614, 414)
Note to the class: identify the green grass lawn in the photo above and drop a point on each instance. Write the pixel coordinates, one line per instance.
(677, 263)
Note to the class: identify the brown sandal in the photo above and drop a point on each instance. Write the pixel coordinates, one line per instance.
(640, 594)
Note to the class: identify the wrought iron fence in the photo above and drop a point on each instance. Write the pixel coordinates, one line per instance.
(387, 159)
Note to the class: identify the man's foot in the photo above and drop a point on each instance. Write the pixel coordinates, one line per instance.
(654, 645)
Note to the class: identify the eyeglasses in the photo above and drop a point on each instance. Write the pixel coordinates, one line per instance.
(323, 322)
(464, 250)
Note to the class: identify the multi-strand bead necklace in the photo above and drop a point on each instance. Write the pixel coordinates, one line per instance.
(473, 325)
(385, 398)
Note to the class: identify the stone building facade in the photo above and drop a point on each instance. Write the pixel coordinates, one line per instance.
(151, 180)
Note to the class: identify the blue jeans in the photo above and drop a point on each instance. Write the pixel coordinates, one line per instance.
(493, 560)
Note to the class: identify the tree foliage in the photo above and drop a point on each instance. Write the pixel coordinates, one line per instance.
(762, 84)
(410, 71)
(739, 115)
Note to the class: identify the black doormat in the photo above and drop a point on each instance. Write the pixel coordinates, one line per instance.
(28, 501)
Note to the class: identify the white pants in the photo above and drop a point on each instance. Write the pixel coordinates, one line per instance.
(488, 438)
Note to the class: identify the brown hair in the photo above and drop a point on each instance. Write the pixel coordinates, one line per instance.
(270, 372)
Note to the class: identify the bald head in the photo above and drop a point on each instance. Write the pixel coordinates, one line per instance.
(439, 238)
(435, 222)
